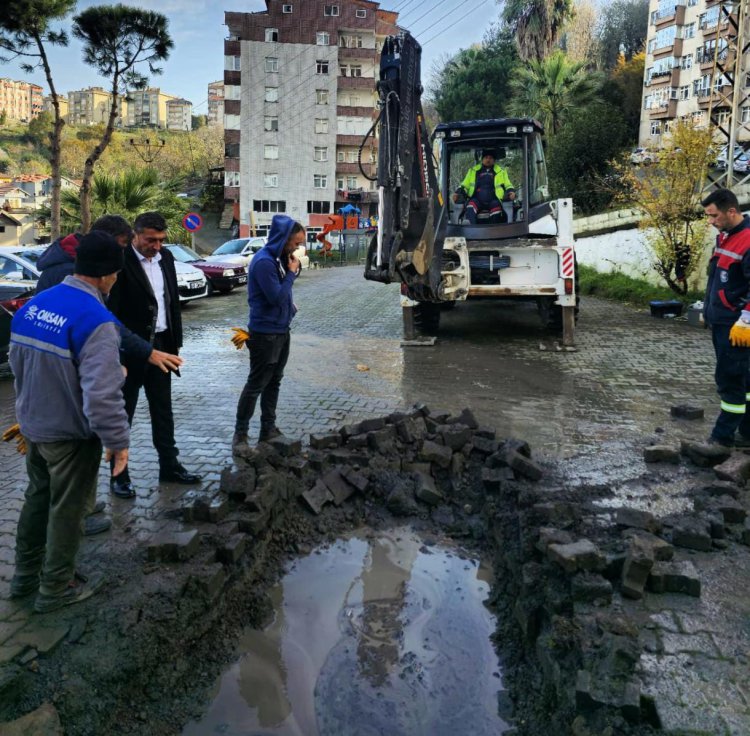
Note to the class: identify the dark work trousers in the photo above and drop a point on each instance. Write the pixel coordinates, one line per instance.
(158, 387)
(493, 207)
(62, 476)
(268, 357)
(732, 385)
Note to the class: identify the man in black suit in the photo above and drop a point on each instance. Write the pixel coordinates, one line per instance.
(147, 302)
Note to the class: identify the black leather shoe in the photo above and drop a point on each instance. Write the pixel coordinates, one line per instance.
(179, 475)
(122, 488)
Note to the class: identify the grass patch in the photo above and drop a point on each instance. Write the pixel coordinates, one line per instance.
(622, 288)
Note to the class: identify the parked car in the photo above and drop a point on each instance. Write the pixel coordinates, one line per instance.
(721, 159)
(13, 294)
(643, 157)
(191, 282)
(221, 277)
(242, 250)
(17, 264)
(742, 164)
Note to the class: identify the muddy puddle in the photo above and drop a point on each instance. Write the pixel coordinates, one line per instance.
(375, 634)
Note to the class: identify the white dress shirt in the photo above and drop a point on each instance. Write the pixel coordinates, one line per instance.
(155, 276)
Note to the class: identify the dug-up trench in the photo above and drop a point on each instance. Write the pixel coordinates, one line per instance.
(568, 577)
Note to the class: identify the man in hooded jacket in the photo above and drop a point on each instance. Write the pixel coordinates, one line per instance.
(270, 277)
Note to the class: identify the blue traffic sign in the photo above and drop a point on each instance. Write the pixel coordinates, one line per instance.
(192, 222)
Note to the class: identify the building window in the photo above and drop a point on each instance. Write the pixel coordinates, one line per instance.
(321, 153)
(231, 150)
(655, 127)
(286, 8)
(321, 125)
(271, 123)
(232, 91)
(353, 157)
(745, 114)
(351, 182)
(269, 205)
(355, 70)
(688, 31)
(272, 35)
(360, 13)
(272, 94)
(322, 38)
(270, 151)
(272, 64)
(232, 63)
(686, 62)
(685, 92)
(270, 180)
(321, 96)
(340, 156)
(350, 42)
(340, 183)
(231, 178)
(316, 207)
(330, 10)
(321, 66)
(722, 117)
(320, 181)
(231, 122)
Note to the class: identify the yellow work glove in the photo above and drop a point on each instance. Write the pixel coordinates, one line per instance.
(240, 337)
(739, 335)
(14, 433)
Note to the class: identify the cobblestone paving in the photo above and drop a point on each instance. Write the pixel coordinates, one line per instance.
(592, 409)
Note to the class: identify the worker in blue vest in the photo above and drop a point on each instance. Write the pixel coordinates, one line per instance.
(487, 186)
(65, 356)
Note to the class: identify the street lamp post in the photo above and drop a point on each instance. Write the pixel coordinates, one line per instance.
(147, 149)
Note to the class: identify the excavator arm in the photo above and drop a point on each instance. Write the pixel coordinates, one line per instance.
(409, 242)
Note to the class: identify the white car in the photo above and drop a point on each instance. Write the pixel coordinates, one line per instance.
(191, 282)
(18, 262)
(240, 251)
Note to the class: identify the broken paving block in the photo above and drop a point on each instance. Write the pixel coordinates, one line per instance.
(735, 469)
(494, 479)
(589, 587)
(675, 577)
(317, 497)
(661, 454)
(426, 490)
(338, 486)
(237, 483)
(524, 466)
(434, 453)
(326, 441)
(173, 546)
(638, 519)
(635, 571)
(660, 548)
(686, 411)
(455, 436)
(232, 549)
(692, 532)
(580, 555)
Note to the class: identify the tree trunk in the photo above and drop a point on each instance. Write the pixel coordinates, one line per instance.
(54, 220)
(94, 156)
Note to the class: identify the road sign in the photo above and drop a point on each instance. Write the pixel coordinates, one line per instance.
(192, 222)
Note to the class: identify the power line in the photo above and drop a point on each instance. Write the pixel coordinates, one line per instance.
(424, 30)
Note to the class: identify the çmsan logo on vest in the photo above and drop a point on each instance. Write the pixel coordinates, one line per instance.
(42, 315)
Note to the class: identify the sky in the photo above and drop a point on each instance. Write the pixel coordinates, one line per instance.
(198, 31)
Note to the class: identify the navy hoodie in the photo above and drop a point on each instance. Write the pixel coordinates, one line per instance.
(269, 283)
(55, 264)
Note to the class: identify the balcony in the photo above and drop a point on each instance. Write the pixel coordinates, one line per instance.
(674, 17)
(353, 168)
(675, 49)
(356, 196)
(232, 77)
(349, 140)
(716, 98)
(357, 53)
(367, 83)
(231, 194)
(231, 164)
(232, 48)
(671, 77)
(356, 112)
(706, 60)
(667, 109)
(231, 137)
(232, 107)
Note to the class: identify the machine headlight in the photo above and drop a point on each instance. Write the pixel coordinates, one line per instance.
(228, 272)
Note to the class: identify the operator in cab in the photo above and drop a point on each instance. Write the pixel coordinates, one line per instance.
(487, 186)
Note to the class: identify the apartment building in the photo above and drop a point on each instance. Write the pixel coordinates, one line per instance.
(216, 103)
(20, 100)
(147, 108)
(684, 38)
(179, 114)
(62, 101)
(91, 106)
(299, 96)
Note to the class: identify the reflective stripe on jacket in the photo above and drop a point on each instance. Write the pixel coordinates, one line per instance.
(502, 181)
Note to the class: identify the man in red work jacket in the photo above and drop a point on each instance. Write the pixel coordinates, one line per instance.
(727, 295)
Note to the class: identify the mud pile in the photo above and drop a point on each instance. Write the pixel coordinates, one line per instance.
(140, 657)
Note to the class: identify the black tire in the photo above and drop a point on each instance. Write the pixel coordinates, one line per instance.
(447, 306)
(551, 313)
(427, 318)
(209, 288)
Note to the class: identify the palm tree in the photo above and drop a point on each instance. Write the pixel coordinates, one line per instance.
(549, 89)
(537, 25)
